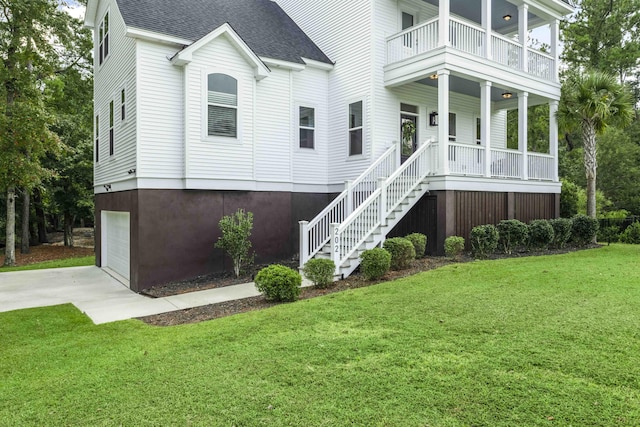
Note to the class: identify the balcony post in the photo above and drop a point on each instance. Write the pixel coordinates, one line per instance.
(443, 120)
(486, 24)
(553, 137)
(443, 17)
(523, 33)
(555, 52)
(485, 125)
(523, 107)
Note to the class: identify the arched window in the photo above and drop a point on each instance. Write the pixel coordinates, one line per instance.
(222, 105)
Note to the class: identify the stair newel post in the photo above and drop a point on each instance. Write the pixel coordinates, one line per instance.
(382, 185)
(304, 242)
(335, 246)
(348, 185)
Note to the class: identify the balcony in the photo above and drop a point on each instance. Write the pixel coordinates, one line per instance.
(420, 40)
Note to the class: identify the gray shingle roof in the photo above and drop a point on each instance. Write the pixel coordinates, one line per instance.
(262, 24)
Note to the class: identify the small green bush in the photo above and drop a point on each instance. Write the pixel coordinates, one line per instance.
(419, 242)
(484, 240)
(610, 234)
(402, 252)
(279, 283)
(320, 271)
(540, 234)
(584, 229)
(631, 234)
(513, 233)
(453, 246)
(236, 230)
(375, 263)
(561, 231)
(568, 199)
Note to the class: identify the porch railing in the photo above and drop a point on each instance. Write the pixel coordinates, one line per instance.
(541, 64)
(466, 159)
(506, 52)
(541, 166)
(506, 163)
(413, 41)
(316, 233)
(466, 37)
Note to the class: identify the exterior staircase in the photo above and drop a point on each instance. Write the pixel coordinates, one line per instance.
(367, 210)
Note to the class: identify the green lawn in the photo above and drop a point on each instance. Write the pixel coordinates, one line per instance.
(67, 262)
(536, 341)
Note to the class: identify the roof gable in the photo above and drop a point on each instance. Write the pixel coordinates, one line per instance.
(265, 28)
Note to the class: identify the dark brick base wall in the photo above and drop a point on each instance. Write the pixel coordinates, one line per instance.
(173, 231)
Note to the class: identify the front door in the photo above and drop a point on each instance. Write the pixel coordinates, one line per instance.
(409, 140)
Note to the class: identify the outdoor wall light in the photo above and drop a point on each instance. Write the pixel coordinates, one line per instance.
(507, 95)
(433, 77)
(507, 17)
(107, 187)
(131, 171)
(433, 118)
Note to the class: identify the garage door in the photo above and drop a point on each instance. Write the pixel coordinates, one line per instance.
(115, 242)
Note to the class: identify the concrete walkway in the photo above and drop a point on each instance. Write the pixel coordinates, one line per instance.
(100, 296)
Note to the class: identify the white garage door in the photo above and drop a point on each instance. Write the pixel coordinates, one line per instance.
(115, 242)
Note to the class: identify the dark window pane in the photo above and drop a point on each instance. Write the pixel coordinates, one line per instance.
(355, 142)
(111, 143)
(97, 150)
(306, 138)
(355, 115)
(307, 117)
(222, 121)
(222, 84)
(407, 20)
(106, 45)
(452, 126)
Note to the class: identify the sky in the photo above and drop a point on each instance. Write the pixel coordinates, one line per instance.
(74, 9)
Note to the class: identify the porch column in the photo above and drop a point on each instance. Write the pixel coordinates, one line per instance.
(443, 16)
(553, 137)
(443, 120)
(555, 52)
(523, 33)
(485, 125)
(523, 104)
(486, 24)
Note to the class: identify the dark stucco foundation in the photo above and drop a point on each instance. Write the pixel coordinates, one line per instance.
(173, 231)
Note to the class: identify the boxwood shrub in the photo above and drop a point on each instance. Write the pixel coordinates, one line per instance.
(584, 229)
(320, 271)
(453, 246)
(375, 263)
(540, 234)
(513, 233)
(279, 283)
(419, 242)
(561, 231)
(402, 252)
(484, 240)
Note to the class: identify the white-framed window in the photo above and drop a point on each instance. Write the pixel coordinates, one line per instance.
(355, 128)
(103, 39)
(307, 121)
(97, 131)
(452, 127)
(111, 136)
(222, 105)
(478, 130)
(123, 104)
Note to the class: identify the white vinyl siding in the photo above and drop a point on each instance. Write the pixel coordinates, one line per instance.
(161, 115)
(109, 78)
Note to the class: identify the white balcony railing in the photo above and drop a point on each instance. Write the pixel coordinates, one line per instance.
(506, 52)
(506, 163)
(541, 166)
(541, 64)
(466, 159)
(466, 37)
(412, 41)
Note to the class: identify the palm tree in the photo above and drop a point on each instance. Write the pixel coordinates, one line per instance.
(591, 102)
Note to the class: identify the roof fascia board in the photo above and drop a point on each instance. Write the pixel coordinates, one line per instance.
(312, 63)
(90, 13)
(278, 63)
(185, 56)
(139, 33)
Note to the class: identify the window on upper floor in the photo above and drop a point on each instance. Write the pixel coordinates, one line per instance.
(452, 127)
(123, 105)
(97, 149)
(103, 39)
(307, 127)
(355, 128)
(222, 105)
(111, 141)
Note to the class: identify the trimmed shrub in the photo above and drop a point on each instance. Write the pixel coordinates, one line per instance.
(375, 263)
(484, 240)
(561, 231)
(631, 234)
(610, 234)
(320, 271)
(453, 246)
(402, 252)
(513, 233)
(236, 230)
(584, 229)
(540, 234)
(279, 283)
(419, 242)
(568, 199)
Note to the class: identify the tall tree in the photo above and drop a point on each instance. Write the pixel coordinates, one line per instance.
(592, 102)
(32, 35)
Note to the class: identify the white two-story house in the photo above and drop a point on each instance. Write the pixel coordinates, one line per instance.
(294, 110)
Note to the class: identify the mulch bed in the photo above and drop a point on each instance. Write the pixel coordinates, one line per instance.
(48, 252)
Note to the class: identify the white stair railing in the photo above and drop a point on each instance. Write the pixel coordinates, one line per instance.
(315, 234)
(348, 236)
